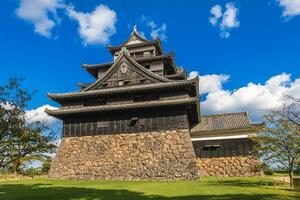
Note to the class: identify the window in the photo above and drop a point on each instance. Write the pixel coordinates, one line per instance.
(147, 66)
(104, 85)
(143, 80)
(133, 121)
(126, 82)
(211, 147)
(220, 148)
(147, 53)
(139, 54)
(95, 102)
(121, 83)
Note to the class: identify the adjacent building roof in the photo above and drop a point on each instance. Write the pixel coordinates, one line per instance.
(225, 122)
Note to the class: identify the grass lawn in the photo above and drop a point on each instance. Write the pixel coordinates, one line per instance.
(207, 188)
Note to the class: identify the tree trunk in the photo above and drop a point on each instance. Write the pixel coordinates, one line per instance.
(291, 175)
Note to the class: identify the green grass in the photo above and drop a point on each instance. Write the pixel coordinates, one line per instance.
(207, 188)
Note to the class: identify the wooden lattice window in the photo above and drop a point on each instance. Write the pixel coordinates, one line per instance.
(133, 121)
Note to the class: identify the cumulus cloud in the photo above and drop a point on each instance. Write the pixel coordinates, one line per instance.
(290, 7)
(39, 114)
(256, 99)
(41, 13)
(210, 83)
(95, 27)
(158, 31)
(216, 12)
(224, 21)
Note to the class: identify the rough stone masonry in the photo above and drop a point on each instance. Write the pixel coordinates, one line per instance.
(166, 155)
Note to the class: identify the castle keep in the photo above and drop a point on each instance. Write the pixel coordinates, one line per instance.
(141, 120)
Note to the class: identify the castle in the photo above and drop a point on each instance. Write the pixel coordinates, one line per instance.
(141, 120)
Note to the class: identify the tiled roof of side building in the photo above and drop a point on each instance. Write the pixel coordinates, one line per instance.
(223, 122)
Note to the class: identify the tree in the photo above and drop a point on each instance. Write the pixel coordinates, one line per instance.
(20, 138)
(279, 142)
(46, 166)
(290, 110)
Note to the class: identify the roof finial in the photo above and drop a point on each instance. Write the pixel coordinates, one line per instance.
(135, 28)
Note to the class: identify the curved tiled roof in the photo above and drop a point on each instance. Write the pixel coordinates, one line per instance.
(227, 121)
(155, 42)
(132, 88)
(136, 105)
(93, 68)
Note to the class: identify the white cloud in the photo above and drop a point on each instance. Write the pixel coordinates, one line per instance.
(224, 21)
(95, 27)
(142, 34)
(157, 31)
(290, 7)
(39, 114)
(209, 83)
(41, 13)
(152, 24)
(253, 98)
(216, 11)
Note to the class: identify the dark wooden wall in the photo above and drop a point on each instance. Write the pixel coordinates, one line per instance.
(115, 123)
(223, 148)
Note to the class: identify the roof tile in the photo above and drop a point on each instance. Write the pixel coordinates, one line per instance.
(226, 121)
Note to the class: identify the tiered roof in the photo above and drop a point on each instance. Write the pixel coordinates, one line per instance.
(205, 124)
(124, 55)
(135, 40)
(174, 80)
(123, 90)
(126, 106)
(167, 58)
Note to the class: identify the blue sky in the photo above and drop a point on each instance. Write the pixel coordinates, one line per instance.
(235, 46)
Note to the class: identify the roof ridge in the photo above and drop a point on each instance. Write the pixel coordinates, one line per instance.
(85, 65)
(130, 86)
(226, 113)
(95, 65)
(118, 106)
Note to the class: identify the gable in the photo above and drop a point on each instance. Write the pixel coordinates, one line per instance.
(124, 72)
(134, 40)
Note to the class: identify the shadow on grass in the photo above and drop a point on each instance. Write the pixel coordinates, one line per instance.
(49, 192)
(242, 183)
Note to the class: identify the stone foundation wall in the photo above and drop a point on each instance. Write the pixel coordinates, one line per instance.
(228, 166)
(167, 155)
